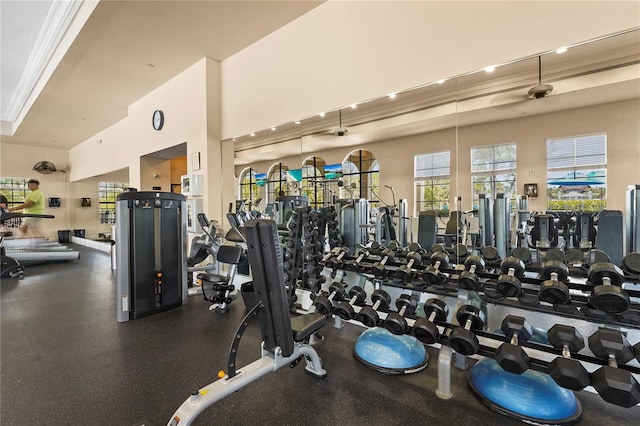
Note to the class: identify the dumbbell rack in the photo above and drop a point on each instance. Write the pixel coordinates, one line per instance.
(302, 252)
(579, 307)
(540, 354)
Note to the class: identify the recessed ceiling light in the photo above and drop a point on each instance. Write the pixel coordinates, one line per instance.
(441, 81)
(354, 106)
(561, 50)
(492, 68)
(253, 134)
(296, 122)
(322, 114)
(392, 95)
(273, 128)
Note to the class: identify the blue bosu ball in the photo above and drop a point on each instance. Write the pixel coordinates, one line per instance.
(388, 353)
(532, 396)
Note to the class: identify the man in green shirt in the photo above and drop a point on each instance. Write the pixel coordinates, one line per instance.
(34, 204)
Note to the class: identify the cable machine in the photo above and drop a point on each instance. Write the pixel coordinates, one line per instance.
(151, 254)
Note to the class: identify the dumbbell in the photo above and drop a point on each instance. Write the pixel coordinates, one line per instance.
(510, 355)
(522, 253)
(462, 339)
(357, 263)
(395, 322)
(386, 256)
(404, 272)
(368, 315)
(508, 284)
(567, 372)
(324, 303)
(553, 290)
(490, 254)
(336, 259)
(345, 309)
(432, 274)
(424, 329)
(608, 296)
(468, 280)
(614, 385)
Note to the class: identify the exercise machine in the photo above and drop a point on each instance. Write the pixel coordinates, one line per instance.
(285, 340)
(204, 246)
(151, 254)
(633, 219)
(20, 251)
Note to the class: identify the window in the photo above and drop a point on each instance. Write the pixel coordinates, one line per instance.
(577, 173)
(361, 176)
(107, 193)
(313, 184)
(432, 181)
(277, 182)
(249, 190)
(493, 170)
(16, 191)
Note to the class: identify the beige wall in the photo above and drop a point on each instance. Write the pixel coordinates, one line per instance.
(345, 52)
(191, 105)
(619, 120)
(17, 161)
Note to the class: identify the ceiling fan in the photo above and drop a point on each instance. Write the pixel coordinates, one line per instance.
(338, 131)
(541, 90)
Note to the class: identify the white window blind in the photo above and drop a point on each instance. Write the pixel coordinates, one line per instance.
(579, 151)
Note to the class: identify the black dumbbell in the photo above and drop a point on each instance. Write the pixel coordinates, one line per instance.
(508, 284)
(522, 253)
(555, 254)
(614, 384)
(468, 279)
(432, 274)
(462, 339)
(510, 355)
(553, 290)
(608, 296)
(416, 247)
(368, 315)
(567, 372)
(335, 260)
(631, 263)
(324, 302)
(424, 329)
(357, 263)
(345, 309)
(395, 322)
(490, 254)
(386, 255)
(404, 272)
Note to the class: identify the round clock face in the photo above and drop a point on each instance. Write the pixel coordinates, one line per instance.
(158, 120)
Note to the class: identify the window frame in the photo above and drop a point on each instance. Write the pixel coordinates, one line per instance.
(432, 180)
(493, 172)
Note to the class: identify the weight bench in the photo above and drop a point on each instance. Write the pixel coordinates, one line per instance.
(285, 340)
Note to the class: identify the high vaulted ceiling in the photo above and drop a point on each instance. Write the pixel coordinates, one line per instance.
(71, 69)
(123, 50)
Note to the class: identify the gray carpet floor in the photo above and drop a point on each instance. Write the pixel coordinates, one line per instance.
(66, 361)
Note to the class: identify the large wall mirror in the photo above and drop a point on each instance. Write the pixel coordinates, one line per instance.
(440, 145)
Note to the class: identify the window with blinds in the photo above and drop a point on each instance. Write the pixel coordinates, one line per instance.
(493, 170)
(432, 181)
(577, 172)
